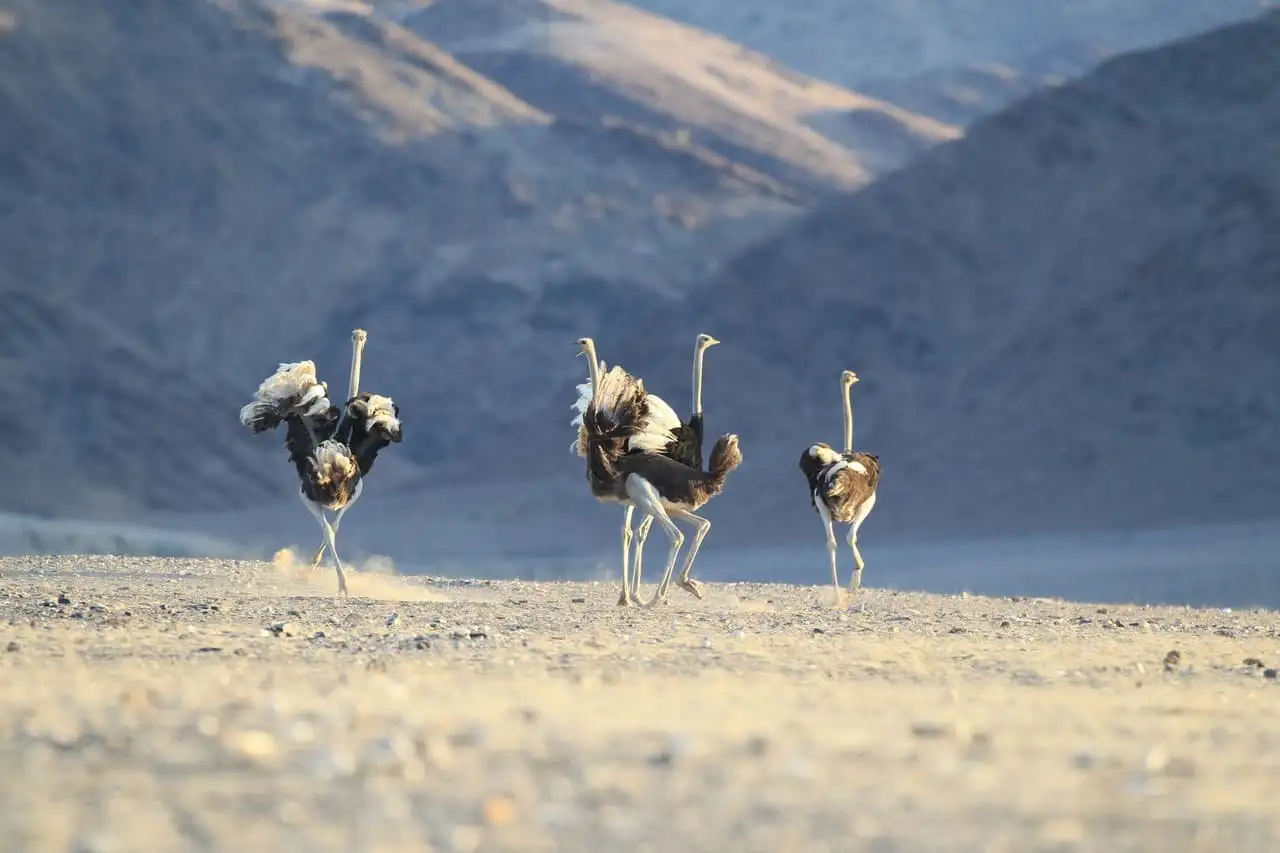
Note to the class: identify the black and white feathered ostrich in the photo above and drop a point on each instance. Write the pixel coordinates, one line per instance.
(333, 450)
(685, 447)
(842, 486)
(624, 435)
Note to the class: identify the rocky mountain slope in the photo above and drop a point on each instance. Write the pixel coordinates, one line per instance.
(1056, 316)
(892, 39)
(1065, 320)
(223, 184)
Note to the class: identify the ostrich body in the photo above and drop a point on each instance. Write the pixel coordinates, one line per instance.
(842, 486)
(331, 449)
(619, 431)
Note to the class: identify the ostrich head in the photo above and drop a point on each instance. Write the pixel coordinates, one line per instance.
(848, 379)
(705, 341)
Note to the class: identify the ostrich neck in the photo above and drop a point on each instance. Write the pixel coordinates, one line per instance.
(848, 419)
(594, 365)
(697, 379)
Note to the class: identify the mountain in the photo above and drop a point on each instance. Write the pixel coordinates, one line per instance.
(192, 192)
(1065, 320)
(853, 43)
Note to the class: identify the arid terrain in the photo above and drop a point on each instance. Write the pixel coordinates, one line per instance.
(206, 705)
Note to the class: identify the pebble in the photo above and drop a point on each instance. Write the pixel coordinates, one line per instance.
(1172, 659)
(14, 646)
(498, 811)
(1270, 673)
(254, 744)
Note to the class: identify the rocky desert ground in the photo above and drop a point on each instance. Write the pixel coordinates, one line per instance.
(210, 705)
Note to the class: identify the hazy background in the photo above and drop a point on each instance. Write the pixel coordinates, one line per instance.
(1044, 232)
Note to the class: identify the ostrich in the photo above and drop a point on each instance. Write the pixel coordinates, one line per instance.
(653, 431)
(685, 449)
(618, 421)
(685, 446)
(842, 486)
(332, 453)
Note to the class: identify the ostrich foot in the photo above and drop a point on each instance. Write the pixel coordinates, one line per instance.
(692, 586)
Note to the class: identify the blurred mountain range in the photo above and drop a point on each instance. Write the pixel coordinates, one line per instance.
(1054, 307)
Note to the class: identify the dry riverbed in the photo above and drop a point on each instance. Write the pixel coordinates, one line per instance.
(203, 705)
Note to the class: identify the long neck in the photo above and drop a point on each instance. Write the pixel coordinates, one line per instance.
(357, 351)
(594, 364)
(848, 418)
(698, 353)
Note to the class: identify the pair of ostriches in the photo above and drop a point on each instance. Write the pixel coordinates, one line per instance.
(640, 454)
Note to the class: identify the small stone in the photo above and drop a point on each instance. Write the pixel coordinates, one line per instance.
(392, 620)
(499, 811)
(578, 601)
(284, 629)
(1254, 662)
(1172, 659)
(62, 598)
(1270, 673)
(254, 744)
(14, 646)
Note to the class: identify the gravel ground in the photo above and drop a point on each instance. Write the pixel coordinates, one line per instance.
(207, 705)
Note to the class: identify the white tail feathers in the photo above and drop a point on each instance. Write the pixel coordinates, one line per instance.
(293, 388)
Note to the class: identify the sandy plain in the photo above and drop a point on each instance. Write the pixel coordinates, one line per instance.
(206, 705)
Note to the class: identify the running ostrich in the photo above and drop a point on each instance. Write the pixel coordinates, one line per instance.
(624, 433)
(686, 449)
(842, 486)
(332, 451)
(684, 446)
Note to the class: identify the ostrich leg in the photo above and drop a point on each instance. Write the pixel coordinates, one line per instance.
(642, 533)
(863, 511)
(825, 514)
(856, 581)
(626, 599)
(330, 540)
(646, 498)
(337, 520)
(704, 527)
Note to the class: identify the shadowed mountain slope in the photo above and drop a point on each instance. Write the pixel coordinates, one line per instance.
(224, 184)
(1065, 320)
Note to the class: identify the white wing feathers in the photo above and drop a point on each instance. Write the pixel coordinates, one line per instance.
(659, 427)
(293, 387)
(657, 430)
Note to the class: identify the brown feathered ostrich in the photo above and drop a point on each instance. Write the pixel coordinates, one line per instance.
(618, 417)
(842, 486)
(685, 448)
